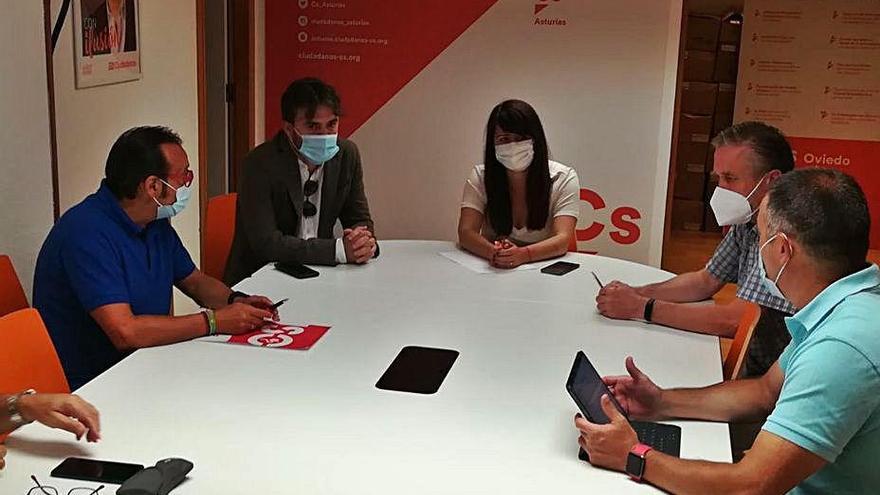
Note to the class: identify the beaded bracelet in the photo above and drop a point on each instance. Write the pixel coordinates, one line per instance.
(211, 319)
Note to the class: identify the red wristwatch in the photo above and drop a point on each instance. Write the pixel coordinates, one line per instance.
(635, 461)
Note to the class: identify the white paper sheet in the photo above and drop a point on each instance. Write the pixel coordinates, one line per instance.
(479, 265)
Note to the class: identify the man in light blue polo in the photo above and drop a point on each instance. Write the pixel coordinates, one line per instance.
(821, 400)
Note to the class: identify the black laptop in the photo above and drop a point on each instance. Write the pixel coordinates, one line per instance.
(587, 388)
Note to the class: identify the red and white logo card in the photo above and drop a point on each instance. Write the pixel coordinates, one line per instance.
(282, 336)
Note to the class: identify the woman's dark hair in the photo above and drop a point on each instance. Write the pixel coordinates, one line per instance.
(517, 117)
(136, 155)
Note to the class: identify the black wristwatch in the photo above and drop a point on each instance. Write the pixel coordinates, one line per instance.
(649, 309)
(235, 295)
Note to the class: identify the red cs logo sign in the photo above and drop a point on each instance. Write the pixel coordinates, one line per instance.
(622, 219)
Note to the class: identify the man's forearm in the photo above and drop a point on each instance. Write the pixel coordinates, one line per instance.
(730, 401)
(681, 476)
(150, 331)
(708, 318)
(206, 291)
(687, 287)
(5, 421)
(773, 465)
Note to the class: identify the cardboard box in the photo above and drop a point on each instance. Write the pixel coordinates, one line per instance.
(731, 29)
(691, 157)
(709, 222)
(726, 99)
(710, 167)
(721, 122)
(699, 65)
(702, 32)
(687, 214)
(711, 184)
(690, 185)
(698, 98)
(694, 128)
(726, 64)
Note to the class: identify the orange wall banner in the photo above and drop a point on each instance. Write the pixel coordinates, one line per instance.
(813, 70)
(367, 50)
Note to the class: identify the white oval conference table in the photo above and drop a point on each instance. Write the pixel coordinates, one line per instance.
(270, 421)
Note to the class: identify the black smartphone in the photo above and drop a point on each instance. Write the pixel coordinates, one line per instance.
(296, 271)
(560, 268)
(77, 468)
(419, 370)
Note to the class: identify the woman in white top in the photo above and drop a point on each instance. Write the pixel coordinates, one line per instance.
(519, 206)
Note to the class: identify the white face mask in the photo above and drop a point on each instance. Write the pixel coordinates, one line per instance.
(772, 285)
(517, 156)
(732, 208)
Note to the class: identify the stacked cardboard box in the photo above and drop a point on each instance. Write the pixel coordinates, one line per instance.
(709, 222)
(706, 108)
(690, 170)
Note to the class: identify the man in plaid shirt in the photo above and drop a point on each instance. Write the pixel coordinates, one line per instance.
(749, 157)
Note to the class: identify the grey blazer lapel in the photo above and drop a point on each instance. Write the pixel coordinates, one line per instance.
(287, 165)
(328, 196)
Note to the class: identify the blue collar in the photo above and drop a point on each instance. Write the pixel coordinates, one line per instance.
(111, 206)
(810, 316)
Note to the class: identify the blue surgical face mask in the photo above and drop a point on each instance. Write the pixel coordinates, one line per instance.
(183, 194)
(319, 148)
(771, 285)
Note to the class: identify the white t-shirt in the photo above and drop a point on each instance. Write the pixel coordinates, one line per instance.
(564, 200)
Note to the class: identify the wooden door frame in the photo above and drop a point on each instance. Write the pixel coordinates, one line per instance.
(50, 89)
(667, 219)
(202, 79)
(241, 43)
(240, 37)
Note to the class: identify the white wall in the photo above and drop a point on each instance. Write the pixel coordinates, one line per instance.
(89, 120)
(25, 170)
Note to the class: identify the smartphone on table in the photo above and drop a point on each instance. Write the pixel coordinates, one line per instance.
(78, 468)
(560, 268)
(296, 271)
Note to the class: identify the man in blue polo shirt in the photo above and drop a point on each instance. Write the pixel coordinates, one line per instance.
(821, 399)
(104, 277)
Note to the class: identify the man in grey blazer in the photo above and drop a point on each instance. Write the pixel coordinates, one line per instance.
(295, 186)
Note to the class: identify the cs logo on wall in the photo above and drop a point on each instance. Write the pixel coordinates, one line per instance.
(624, 229)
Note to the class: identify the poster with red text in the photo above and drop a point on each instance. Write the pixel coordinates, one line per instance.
(813, 70)
(106, 42)
(418, 79)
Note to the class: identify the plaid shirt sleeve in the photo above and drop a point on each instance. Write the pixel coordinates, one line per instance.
(724, 264)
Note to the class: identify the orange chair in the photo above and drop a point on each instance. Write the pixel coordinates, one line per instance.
(28, 356)
(219, 230)
(12, 296)
(733, 364)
